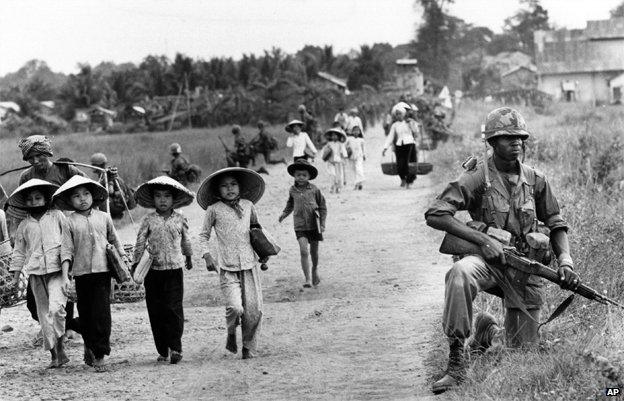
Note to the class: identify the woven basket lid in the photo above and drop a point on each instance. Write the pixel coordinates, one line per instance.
(182, 196)
(17, 198)
(61, 196)
(251, 185)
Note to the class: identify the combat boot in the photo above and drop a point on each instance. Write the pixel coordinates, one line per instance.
(456, 370)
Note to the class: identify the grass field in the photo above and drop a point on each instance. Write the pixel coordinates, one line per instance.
(581, 151)
(139, 157)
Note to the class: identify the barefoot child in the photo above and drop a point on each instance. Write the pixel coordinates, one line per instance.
(84, 246)
(38, 253)
(228, 195)
(164, 233)
(307, 202)
(355, 146)
(337, 152)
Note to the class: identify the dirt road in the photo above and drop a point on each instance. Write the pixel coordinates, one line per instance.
(362, 334)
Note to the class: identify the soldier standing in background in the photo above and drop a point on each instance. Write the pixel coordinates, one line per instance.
(179, 164)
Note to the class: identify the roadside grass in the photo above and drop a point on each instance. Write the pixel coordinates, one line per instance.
(580, 149)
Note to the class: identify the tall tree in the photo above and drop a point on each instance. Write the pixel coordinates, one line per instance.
(369, 70)
(526, 21)
(618, 12)
(433, 38)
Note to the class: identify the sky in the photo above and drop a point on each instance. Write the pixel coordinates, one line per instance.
(67, 32)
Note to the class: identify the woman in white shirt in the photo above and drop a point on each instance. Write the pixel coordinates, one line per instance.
(299, 141)
(402, 137)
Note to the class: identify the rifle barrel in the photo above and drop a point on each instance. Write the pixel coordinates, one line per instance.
(551, 275)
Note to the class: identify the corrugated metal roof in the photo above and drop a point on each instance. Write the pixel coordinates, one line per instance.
(529, 67)
(605, 29)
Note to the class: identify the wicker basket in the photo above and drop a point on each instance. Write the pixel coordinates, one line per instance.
(128, 291)
(10, 296)
(414, 168)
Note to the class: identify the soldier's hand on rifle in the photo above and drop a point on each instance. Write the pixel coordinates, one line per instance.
(493, 251)
(189, 263)
(570, 280)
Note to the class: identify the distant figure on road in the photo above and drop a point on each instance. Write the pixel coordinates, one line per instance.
(342, 118)
(303, 148)
(310, 125)
(264, 143)
(354, 120)
(403, 138)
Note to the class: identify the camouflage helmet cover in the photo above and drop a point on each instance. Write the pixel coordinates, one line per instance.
(505, 121)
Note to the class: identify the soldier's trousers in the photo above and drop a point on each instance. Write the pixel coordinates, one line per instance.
(463, 282)
(243, 303)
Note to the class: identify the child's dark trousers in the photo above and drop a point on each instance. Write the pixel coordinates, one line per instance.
(93, 291)
(164, 292)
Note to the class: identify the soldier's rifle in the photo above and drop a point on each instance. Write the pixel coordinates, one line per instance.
(227, 150)
(453, 245)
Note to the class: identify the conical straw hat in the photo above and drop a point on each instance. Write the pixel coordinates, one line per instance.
(18, 199)
(61, 196)
(182, 196)
(251, 185)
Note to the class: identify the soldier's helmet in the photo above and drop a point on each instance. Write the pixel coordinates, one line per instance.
(236, 129)
(301, 108)
(98, 159)
(505, 121)
(175, 149)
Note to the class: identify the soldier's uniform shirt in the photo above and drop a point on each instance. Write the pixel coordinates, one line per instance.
(515, 206)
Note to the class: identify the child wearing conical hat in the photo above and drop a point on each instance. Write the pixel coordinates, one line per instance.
(300, 141)
(336, 157)
(164, 234)
(307, 204)
(228, 195)
(84, 246)
(38, 253)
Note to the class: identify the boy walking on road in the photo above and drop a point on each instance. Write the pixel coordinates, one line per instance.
(84, 247)
(164, 233)
(308, 204)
